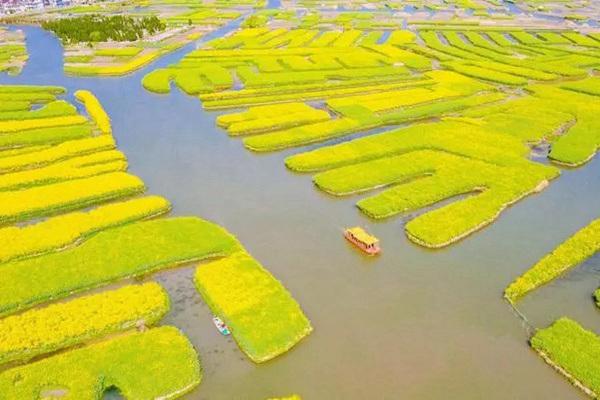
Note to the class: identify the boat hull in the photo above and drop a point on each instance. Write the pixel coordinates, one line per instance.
(221, 327)
(368, 250)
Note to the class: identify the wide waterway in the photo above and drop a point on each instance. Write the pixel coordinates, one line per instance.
(410, 324)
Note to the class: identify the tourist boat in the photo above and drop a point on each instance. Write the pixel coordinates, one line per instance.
(224, 329)
(361, 239)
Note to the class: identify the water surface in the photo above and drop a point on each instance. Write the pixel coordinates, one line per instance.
(410, 324)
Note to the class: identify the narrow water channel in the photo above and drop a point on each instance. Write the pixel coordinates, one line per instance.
(410, 324)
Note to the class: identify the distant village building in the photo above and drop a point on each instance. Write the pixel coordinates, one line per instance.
(19, 6)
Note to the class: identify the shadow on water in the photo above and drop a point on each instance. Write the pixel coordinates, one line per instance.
(411, 324)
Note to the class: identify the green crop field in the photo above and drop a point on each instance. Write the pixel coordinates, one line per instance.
(565, 345)
(573, 350)
(166, 366)
(61, 325)
(237, 286)
(575, 250)
(300, 86)
(433, 115)
(13, 53)
(73, 219)
(60, 231)
(117, 39)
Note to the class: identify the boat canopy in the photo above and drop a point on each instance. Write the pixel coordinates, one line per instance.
(360, 234)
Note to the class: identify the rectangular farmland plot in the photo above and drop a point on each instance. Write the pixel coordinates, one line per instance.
(589, 86)
(567, 345)
(59, 108)
(69, 195)
(305, 92)
(33, 137)
(23, 125)
(325, 39)
(264, 318)
(59, 152)
(62, 325)
(74, 168)
(302, 135)
(34, 97)
(347, 38)
(31, 89)
(53, 233)
(486, 74)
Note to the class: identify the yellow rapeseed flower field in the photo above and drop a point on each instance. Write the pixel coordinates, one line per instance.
(22, 125)
(61, 325)
(60, 231)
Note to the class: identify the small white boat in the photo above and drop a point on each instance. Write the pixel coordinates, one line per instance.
(224, 329)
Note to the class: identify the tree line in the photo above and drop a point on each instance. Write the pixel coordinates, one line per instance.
(98, 28)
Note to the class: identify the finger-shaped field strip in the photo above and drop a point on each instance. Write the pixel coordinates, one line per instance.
(572, 252)
(571, 350)
(73, 219)
(491, 97)
(62, 325)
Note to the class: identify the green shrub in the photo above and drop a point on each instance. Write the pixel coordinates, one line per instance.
(98, 28)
